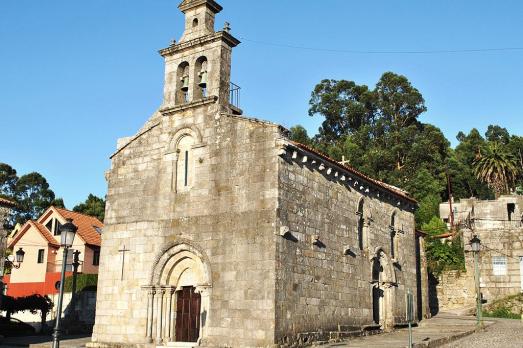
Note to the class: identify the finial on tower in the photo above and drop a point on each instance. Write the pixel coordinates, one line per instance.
(211, 4)
(199, 18)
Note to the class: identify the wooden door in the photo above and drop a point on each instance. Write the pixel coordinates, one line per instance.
(188, 315)
(376, 304)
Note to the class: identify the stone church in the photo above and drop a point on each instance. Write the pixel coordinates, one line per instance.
(221, 232)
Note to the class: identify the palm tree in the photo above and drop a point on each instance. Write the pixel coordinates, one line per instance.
(497, 168)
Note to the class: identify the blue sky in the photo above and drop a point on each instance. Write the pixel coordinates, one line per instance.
(77, 75)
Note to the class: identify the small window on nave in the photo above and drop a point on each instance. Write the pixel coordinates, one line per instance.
(361, 224)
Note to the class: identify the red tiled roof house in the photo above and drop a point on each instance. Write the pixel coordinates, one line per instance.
(39, 273)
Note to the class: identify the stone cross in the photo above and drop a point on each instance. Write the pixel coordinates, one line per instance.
(343, 161)
(123, 250)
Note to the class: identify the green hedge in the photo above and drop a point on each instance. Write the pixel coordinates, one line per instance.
(83, 281)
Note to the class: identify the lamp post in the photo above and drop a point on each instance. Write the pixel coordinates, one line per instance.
(10, 260)
(475, 244)
(67, 233)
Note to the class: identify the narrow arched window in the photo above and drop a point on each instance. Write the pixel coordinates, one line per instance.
(392, 228)
(361, 222)
(185, 163)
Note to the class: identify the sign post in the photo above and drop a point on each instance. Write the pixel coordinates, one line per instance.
(410, 314)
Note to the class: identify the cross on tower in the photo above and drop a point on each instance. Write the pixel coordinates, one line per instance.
(123, 250)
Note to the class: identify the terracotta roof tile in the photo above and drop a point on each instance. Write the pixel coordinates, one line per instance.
(45, 232)
(86, 224)
(390, 188)
(7, 202)
(41, 228)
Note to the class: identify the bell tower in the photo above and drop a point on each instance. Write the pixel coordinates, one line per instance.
(198, 67)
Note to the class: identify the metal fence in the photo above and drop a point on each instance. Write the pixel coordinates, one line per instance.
(235, 95)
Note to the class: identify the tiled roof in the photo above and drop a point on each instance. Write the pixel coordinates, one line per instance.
(350, 169)
(7, 202)
(45, 232)
(41, 228)
(86, 226)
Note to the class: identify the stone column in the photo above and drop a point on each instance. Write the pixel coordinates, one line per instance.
(173, 316)
(150, 314)
(159, 315)
(170, 308)
(205, 293)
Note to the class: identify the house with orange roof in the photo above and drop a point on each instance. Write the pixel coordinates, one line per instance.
(39, 273)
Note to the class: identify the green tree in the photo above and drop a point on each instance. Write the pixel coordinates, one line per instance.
(31, 192)
(345, 105)
(299, 134)
(93, 206)
(8, 179)
(442, 254)
(515, 147)
(465, 184)
(33, 196)
(378, 131)
(497, 168)
(497, 134)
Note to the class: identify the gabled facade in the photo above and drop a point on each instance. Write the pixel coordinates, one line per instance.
(5, 208)
(40, 240)
(221, 232)
(499, 225)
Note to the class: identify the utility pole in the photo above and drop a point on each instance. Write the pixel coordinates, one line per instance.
(449, 187)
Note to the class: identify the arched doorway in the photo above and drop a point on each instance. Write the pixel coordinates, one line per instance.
(382, 292)
(179, 296)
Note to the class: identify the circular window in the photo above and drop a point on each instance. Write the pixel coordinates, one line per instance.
(195, 23)
(57, 285)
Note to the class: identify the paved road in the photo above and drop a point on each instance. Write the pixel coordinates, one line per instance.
(43, 341)
(504, 333)
(435, 332)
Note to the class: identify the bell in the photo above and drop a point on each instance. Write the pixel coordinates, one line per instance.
(203, 79)
(185, 83)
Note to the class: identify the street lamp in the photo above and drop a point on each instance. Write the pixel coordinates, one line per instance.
(475, 244)
(67, 233)
(18, 258)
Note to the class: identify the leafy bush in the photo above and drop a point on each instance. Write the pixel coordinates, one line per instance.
(83, 282)
(31, 303)
(510, 307)
(501, 313)
(442, 255)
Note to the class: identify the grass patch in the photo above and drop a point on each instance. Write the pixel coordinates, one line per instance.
(501, 313)
(510, 307)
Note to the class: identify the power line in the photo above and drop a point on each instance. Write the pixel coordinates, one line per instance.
(420, 52)
(500, 252)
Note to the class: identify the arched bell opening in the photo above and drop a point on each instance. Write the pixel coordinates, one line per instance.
(182, 83)
(179, 297)
(201, 73)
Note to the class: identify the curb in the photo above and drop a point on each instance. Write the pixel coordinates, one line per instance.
(438, 342)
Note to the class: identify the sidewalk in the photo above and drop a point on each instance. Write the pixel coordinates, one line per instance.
(43, 341)
(430, 333)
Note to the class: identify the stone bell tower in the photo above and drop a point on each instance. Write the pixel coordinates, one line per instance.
(198, 67)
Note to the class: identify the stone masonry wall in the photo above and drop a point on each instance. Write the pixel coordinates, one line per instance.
(506, 243)
(228, 215)
(456, 289)
(319, 287)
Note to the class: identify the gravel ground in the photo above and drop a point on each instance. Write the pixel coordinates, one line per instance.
(505, 333)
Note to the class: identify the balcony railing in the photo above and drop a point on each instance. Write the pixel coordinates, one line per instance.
(235, 95)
